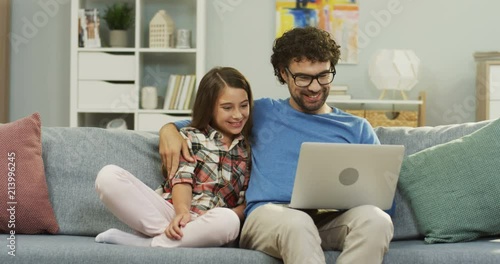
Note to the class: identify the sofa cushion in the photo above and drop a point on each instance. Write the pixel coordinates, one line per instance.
(454, 188)
(74, 156)
(417, 139)
(24, 189)
(484, 251)
(43, 249)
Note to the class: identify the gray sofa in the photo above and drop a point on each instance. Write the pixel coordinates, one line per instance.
(73, 156)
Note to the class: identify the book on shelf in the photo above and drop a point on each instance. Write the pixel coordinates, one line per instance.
(170, 85)
(176, 95)
(339, 88)
(180, 89)
(339, 97)
(172, 90)
(179, 105)
(190, 93)
(339, 92)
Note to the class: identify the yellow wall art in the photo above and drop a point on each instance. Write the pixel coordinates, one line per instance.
(339, 17)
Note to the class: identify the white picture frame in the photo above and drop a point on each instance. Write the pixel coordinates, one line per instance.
(88, 28)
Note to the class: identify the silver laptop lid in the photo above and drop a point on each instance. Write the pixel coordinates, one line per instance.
(343, 176)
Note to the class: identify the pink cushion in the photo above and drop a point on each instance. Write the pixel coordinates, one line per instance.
(25, 208)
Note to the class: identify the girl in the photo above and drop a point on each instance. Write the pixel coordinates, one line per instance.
(202, 205)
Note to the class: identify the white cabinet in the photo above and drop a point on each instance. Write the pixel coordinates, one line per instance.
(487, 85)
(106, 82)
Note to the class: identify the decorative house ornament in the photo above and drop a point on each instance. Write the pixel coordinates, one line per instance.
(161, 31)
(394, 70)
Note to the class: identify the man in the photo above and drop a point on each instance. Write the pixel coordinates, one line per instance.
(304, 59)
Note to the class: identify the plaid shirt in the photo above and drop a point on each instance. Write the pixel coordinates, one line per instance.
(219, 176)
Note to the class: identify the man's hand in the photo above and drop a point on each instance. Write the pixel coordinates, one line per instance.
(174, 229)
(239, 210)
(171, 145)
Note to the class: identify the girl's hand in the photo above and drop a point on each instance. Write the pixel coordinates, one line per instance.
(174, 229)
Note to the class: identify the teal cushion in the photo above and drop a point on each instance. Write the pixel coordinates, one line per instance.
(454, 188)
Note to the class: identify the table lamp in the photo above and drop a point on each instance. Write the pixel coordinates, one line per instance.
(394, 70)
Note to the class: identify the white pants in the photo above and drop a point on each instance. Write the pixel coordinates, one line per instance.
(146, 212)
(362, 233)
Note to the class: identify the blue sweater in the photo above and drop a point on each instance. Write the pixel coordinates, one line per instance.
(278, 132)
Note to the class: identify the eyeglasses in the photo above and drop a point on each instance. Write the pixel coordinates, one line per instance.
(304, 80)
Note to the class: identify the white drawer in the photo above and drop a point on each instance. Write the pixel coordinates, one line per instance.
(494, 109)
(105, 66)
(153, 122)
(105, 95)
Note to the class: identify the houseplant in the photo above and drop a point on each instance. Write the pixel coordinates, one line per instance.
(119, 17)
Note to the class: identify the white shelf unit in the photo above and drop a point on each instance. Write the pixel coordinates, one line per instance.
(390, 106)
(487, 85)
(106, 82)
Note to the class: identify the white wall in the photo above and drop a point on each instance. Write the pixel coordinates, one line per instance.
(40, 53)
(443, 33)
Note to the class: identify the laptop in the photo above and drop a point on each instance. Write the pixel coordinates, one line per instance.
(342, 176)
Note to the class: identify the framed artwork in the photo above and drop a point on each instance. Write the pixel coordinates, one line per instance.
(339, 17)
(4, 60)
(88, 28)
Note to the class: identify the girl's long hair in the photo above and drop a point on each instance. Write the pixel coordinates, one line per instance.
(208, 92)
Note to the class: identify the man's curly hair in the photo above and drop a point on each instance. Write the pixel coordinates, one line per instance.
(308, 43)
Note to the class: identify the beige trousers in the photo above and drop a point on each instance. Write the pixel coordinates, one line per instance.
(362, 234)
(146, 212)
